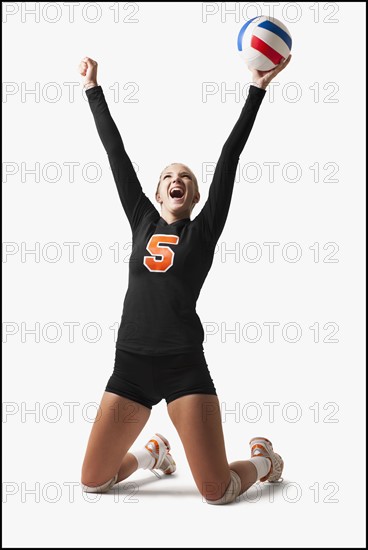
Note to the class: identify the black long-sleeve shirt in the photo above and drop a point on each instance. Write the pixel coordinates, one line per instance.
(169, 261)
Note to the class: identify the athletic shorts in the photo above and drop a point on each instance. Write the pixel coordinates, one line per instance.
(147, 379)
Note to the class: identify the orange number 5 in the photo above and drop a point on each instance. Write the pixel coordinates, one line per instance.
(166, 259)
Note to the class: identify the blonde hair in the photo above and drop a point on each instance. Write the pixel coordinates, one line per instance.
(189, 170)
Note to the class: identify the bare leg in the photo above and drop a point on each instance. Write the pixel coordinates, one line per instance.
(197, 419)
(118, 423)
(127, 467)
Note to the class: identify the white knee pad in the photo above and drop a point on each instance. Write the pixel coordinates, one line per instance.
(101, 488)
(232, 491)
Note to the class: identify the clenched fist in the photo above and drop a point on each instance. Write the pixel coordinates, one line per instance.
(88, 68)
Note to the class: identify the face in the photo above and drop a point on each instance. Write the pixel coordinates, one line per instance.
(177, 193)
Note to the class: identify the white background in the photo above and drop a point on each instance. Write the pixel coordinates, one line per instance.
(316, 116)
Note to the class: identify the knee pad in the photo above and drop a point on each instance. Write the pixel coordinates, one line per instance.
(101, 488)
(232, 491)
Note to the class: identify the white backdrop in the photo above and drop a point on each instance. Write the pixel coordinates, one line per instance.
(282, 307)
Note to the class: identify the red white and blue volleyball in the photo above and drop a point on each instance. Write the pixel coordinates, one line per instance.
(263, 42)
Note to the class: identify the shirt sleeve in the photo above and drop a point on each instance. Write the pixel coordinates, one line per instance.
(135, 203)
(214, 213)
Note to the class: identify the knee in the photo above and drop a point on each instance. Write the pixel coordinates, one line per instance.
(99, 486)
(212, 490)
(220, 494)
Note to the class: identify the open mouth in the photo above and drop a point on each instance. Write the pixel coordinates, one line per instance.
(176, 193)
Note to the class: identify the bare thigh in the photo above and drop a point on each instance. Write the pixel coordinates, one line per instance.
(118, 423)
(197, 419)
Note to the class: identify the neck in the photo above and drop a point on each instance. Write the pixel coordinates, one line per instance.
(170, 218)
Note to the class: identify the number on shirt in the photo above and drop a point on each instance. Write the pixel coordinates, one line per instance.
(166, 259)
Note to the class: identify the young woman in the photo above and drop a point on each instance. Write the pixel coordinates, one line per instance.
(159, 352)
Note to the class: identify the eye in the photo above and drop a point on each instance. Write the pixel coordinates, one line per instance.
(184, 176)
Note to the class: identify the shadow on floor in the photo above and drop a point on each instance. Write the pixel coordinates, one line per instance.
(258, 491)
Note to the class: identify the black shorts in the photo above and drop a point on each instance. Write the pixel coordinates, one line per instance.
(147, 379)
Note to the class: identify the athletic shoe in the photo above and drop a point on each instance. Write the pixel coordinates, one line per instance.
(260, 446)
(159, 448)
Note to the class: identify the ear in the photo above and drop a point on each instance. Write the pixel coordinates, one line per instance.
(158, 198)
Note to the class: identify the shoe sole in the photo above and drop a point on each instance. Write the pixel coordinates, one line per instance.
(269, 448)
(167, 444)
(168, 448)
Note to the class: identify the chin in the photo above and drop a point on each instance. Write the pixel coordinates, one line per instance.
(177, 207)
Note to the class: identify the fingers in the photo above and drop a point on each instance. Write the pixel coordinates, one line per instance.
(90, 62)
(283, 63)
(82, 67)
(85, 64)
(280, 67)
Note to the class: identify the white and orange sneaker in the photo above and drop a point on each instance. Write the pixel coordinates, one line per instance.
(260, 446)
(159, 448)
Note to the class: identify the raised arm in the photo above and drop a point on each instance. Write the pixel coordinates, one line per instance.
(215, 210)
(135, 203)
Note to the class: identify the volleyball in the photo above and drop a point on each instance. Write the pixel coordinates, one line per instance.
(263, 42)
